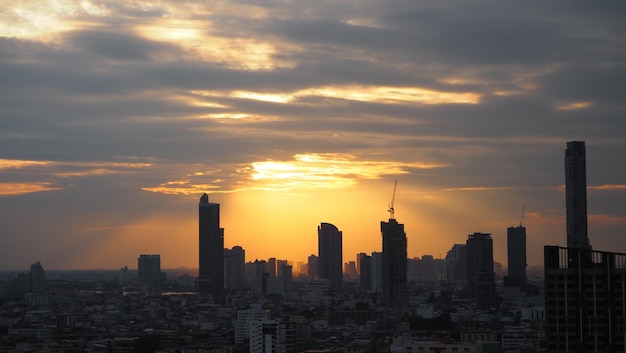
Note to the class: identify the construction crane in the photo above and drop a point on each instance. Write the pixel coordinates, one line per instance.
(393, 200)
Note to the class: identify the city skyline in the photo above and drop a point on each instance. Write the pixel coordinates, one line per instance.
(117, 116)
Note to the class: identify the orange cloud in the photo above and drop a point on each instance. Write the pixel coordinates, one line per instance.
(24, 188)
(304, 171)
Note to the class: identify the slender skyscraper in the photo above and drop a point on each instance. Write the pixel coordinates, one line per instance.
(330, 262)
(480, 276)
(576, 195)
(211, 239)
(516, 251)
(394, 263)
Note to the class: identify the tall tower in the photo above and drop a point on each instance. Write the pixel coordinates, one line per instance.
(576, 195)
(516, 251)
(394, 263)
(330, 261)
(480, 276)
(211, 246)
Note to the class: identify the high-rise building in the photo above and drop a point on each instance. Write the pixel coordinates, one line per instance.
(330, 261)
(365, 277)
(313, 266)
(211, 241)
(576, 195)
(516, 254)
(394, 263)
(37, 278)
(585, 300)
(377, 272)
(481, 281)
(456, 264)
(149, 271)
(234, 261)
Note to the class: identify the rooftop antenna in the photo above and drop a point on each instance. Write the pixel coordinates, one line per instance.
(523, 212)
(393, 200)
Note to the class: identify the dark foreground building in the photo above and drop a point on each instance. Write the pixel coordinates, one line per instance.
(394, 263)
(585, 300)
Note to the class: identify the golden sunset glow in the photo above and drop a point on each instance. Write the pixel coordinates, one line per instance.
(387, 95)
(116, 116)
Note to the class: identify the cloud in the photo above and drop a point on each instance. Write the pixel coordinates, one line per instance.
(468, 104)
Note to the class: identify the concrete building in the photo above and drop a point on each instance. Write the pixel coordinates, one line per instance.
(480, 275)
(330, 262)
(585, 296)
(576, 195)
(456, 265)
(377, 272)
(516, 255)
(211, 246)
(394, 263)
(234, 262)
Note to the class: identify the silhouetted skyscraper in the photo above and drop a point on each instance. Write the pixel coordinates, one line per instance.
(234, 262)
(456, 264)
(37, 278)
(480, 276)
(576, 195)
(516, 251)
(149, 269)
(394, 263)
(211, 239)
(365, 277)
(330, 261)
(313, 266)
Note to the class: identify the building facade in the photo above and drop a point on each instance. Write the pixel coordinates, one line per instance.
(330, 260)
(516, 255)
(394, 263)
(234, 262)
(576, 195)
(480, 275)
(211, 246)
(585, 300)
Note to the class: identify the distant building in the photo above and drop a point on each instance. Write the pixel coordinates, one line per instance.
(211, 245)
(365, 277)
(481, 282)
(456, 264)
(234, 262)
(377, 272)
(37, 278)
(149, 270)
(330, 264)
(313, 266)
(271, 266)
(349, 271)
(394, 263)
(585, 300)
(516, 255)
(576, 195)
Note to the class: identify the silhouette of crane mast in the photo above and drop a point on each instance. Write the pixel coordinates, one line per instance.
(393, 200)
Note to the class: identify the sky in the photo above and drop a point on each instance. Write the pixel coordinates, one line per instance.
(116, 116)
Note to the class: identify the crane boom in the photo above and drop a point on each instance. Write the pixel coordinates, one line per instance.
(393, 200)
